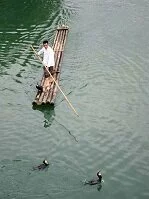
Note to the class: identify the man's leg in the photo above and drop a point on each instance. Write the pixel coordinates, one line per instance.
(46, 74)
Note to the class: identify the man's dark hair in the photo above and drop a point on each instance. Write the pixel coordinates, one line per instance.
(45, 42)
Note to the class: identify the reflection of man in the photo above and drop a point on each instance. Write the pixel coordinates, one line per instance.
(48, 56)
(48, 112)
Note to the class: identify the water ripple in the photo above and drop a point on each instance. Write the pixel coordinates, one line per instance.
(105, 76)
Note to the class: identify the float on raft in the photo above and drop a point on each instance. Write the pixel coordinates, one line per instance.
(47, 95)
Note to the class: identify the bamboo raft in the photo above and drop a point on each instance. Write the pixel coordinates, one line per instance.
(48, 94)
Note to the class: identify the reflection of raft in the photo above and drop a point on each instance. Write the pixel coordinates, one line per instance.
(48, 94)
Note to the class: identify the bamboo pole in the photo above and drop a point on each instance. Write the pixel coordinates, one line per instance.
(49, 87)
(55, 88)
(58, 49)
(45, 95)
(53, 84)
(61, 56)
(54, 81)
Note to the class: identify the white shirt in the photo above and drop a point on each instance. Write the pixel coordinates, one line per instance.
(48, 56)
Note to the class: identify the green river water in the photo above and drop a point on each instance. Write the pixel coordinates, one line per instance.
(104, 74)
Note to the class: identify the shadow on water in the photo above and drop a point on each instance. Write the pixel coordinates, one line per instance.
(48, 111)
(49, 115)
(74, 137)
(99, 187)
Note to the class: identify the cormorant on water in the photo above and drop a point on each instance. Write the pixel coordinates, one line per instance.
(99, 176)
(95, 181)
(42, 166)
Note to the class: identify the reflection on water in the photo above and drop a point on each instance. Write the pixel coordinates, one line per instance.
(99, 187)
(48, 112)
(27, 13)
(74, 137)
(49, 115)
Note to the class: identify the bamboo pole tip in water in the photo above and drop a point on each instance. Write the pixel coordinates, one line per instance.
(77, 114)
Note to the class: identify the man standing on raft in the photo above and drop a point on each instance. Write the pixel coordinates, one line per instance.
(48, 58)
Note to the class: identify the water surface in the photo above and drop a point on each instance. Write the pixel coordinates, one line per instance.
(105, 76)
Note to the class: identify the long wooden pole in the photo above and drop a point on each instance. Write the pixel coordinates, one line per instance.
(54, 81)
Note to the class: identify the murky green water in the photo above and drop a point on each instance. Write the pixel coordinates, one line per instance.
(105, 74)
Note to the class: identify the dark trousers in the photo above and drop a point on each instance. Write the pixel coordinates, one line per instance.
(50, 69)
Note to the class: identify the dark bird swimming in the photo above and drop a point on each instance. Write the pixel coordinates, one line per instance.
(39, 87)
(95, 181)
(42, 166)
